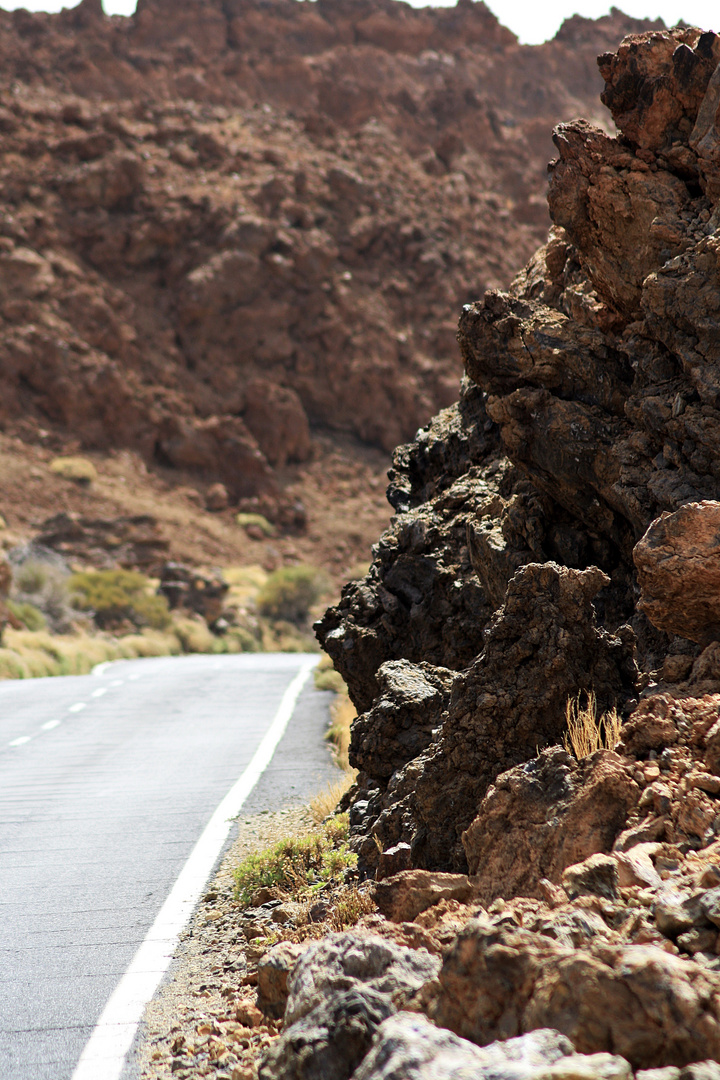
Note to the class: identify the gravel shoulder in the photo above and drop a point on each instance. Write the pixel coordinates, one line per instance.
(191, 1028)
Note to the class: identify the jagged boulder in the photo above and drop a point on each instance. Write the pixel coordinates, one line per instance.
(545, 815)
(405, 713)
(642, 1003)
(410, 1047)
(678, 565)
(540, 648)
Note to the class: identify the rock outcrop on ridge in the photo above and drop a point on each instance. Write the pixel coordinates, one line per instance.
(227, 225)
(590, 408)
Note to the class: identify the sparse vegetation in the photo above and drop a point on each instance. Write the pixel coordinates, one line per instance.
(79, 469)
(30, 616)
(326, 677)
(586, 731)
(325, 802)
(118, 597)
(290, 592)
(256, 522)
(116, 615)
(298, 865)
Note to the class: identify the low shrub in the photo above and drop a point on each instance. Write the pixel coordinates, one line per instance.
(79, 469)
(298, 865)
(31, 577)
(256, 522)
(349, 906)
(195, 637)
(30, 616)
(326, 677)
(290, 592)
(241, 640)
(118, 597)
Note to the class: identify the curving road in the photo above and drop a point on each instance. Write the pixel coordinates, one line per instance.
(107, 784)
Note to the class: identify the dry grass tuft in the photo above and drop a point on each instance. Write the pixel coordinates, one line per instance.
(79, 469)
(342, 714)
(586, 731)
(325, 802)
(349, 906)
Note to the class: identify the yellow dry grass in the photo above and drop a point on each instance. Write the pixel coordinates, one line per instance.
(326, 801)
(586, 731)
(74, 468)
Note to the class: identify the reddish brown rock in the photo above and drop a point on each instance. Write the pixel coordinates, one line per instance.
(273, 971)
(678, 565)
(642, 1003)
(404, 896)
(540, 818)
(275, 416)
(216, 498)
(218, 210)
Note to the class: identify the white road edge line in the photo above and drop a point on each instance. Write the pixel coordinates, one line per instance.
(100, 669)
(104, 1055)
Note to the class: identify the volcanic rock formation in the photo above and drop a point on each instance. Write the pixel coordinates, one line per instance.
(591, 407)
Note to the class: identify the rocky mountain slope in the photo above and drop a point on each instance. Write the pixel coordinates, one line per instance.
(227, 227)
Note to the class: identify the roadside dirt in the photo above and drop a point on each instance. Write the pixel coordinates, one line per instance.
(191, 1028)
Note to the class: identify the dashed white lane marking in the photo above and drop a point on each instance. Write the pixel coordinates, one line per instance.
(20, 741)
(50, 725)
(137, 675)
(104, 1055)
(78, 706)
(117, 682)
(99, 693)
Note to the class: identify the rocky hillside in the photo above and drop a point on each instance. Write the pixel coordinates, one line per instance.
(228, 227)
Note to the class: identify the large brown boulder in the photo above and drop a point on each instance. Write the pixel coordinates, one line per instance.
(645, 1004)
(543, 816)
(678, 566)
(275, 416)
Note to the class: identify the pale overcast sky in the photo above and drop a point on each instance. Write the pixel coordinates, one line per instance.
(532, 21)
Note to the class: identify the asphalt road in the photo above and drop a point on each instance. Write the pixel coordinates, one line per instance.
(106, 783)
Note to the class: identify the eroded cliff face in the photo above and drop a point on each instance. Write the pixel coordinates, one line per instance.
(226, 224)
(590, 407)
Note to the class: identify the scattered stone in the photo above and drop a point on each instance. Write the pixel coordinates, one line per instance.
(273, 971)
(216, 498)
(404, 896)
(596, 876)
(343, 961)
(393, 860)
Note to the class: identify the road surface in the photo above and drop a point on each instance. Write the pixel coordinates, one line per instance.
(107, 782)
